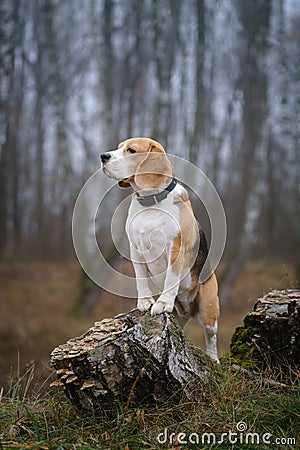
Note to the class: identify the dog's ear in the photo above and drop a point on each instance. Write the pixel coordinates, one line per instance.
(124, 184)
(154, 168)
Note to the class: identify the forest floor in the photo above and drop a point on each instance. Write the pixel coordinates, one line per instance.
(37, 313)
(236, 413)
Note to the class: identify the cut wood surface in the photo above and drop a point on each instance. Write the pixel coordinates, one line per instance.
(131, 358)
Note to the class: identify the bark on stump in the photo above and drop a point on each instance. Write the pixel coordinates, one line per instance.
(270, 337)
(133, 358)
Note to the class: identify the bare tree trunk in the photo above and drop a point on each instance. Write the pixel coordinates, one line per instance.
(253, 84)
(40, 178)
(165, 40)
(131, 358)
(10, 170)
(3, 194)
(40, 183)
(197, 137)
(105, 60)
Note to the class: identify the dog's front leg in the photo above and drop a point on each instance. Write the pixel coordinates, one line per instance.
(165, 302)
(145, 299)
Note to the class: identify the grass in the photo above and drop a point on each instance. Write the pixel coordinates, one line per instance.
(48, 421)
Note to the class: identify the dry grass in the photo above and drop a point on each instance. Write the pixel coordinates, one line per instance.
(50, 422)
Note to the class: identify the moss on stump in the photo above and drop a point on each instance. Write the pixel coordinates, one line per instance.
(269, 340)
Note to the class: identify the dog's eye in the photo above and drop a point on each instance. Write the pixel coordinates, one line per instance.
(131, 150)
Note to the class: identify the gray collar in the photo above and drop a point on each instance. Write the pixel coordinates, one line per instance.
(150, 200)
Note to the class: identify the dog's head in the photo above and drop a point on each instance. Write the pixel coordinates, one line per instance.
(138, 162)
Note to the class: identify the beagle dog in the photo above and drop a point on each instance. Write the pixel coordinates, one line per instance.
(168, 248)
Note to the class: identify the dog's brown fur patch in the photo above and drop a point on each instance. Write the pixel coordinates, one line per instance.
(176, 252)
(209, 301)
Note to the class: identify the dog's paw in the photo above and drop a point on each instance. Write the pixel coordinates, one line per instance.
(161, 306)
(144, 304)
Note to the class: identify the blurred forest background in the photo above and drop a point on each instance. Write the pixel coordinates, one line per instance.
(216, 82)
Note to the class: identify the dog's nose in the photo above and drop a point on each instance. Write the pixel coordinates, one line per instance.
(105, 157)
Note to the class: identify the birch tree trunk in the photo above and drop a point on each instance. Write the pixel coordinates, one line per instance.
(133, 358)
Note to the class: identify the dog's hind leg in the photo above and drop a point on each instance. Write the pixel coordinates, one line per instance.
(208, 313)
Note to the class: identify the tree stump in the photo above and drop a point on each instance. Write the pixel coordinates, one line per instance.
(132, 358)
(270, 336)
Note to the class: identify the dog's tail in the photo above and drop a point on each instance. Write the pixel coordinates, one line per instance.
(203, 265)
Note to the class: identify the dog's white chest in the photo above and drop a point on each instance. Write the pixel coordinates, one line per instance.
(151, 232)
